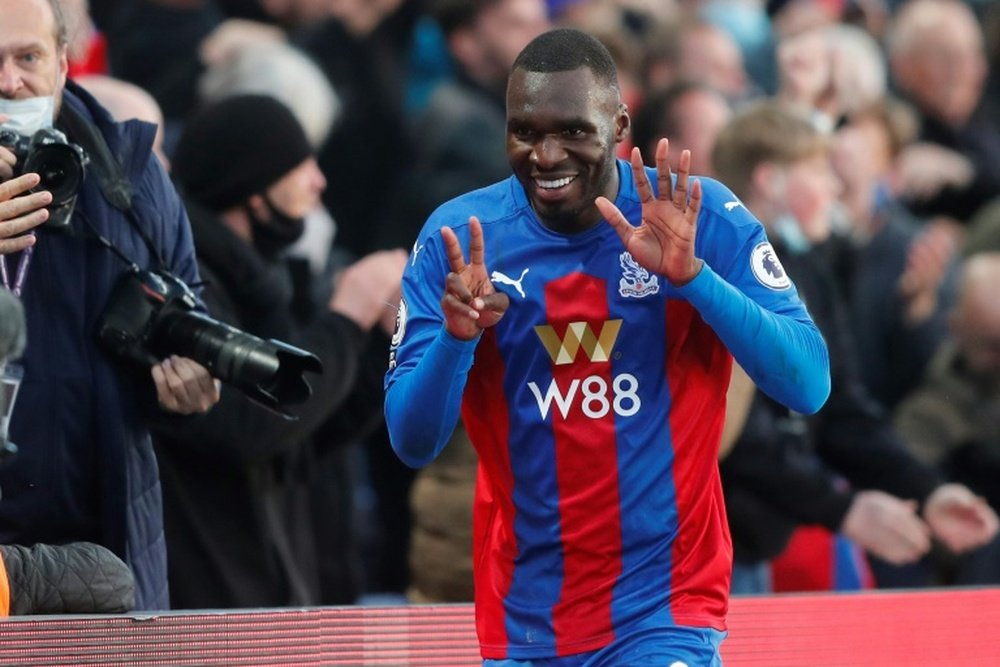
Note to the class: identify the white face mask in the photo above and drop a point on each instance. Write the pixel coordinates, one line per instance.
(29, 115)
(790, 233)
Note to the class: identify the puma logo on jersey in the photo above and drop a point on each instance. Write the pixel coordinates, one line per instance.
(416, 251)
(504, 279)
(730, 205)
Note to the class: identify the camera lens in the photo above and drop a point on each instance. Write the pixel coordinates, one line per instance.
(60, 169)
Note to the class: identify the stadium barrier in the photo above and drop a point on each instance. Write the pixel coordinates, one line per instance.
(933, 628)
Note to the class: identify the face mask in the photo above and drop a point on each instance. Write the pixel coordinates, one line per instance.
(791, 235)
(29, 115)
(276, 234)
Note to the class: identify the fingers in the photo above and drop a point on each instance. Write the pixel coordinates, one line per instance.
(7, 162)
(681, 187)
(456, 260)
(959, 518)
(491, 308)
(663, 168)
(18, 186)
(642, 186)
(476, 245)
(615, 218)
(184, 386)
(694, 202)
(20, 214)
(455, 287)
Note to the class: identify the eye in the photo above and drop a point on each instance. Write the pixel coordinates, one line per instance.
(521, 132)
(573, 133)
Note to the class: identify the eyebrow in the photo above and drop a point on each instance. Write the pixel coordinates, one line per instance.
(24, 47)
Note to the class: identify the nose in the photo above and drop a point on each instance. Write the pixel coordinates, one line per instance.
(10, 78)
(316, 177)
(547, 152)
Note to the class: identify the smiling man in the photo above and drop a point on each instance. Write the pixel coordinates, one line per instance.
(593, 385)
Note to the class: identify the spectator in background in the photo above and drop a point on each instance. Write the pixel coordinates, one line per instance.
(154, 44)
(952, 420)
(894, 269)
(827, 72)
(459, 138)
(243, 59)
(785, 468)
(710, 55)
(125, 101)
(690, 114)
(938, 63)
(238, 515)
(86, 469)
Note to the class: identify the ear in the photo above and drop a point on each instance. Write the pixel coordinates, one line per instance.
(623, 123)
(63, 67)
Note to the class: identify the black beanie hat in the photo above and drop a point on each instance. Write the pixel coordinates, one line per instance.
(237, 147)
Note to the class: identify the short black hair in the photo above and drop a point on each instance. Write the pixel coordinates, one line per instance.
(567, 49)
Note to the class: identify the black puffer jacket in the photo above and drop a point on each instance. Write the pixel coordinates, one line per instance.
(237, 518)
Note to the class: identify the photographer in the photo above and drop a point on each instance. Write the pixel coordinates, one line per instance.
(85, 469)
(80, 577)
(235, 482)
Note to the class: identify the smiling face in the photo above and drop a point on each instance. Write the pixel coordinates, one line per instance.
(562, 129)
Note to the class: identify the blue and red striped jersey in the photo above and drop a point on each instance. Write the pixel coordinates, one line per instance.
(596, 406)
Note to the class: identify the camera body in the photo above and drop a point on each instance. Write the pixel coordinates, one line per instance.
(153, 314)
(60, 163)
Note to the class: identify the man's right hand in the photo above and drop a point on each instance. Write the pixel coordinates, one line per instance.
(887, 527)
(470, 302)
(366, 290)
(21, 212)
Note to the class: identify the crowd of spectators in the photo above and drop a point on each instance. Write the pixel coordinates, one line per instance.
(398, 105)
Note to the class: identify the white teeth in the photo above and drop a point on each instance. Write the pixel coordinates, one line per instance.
(552, 185)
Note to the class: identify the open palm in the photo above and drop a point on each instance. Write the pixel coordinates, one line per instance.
(664, 241)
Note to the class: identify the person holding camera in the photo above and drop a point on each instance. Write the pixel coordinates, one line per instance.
(85, 469)
(236, 482)
(79, 577)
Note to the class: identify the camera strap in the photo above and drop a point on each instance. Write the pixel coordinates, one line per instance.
(20, 273)
(111, 180)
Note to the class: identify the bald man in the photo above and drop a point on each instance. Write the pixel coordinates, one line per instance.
(126, 101)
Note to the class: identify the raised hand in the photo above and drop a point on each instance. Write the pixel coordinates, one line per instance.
(664, 241)
(470, 302)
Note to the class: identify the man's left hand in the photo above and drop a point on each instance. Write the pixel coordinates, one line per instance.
(664, 241)
(959, 518)
(184, 386)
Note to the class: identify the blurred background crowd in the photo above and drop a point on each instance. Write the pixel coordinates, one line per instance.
(865, 134)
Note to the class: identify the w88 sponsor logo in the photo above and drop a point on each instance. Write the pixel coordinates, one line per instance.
(591, 395)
